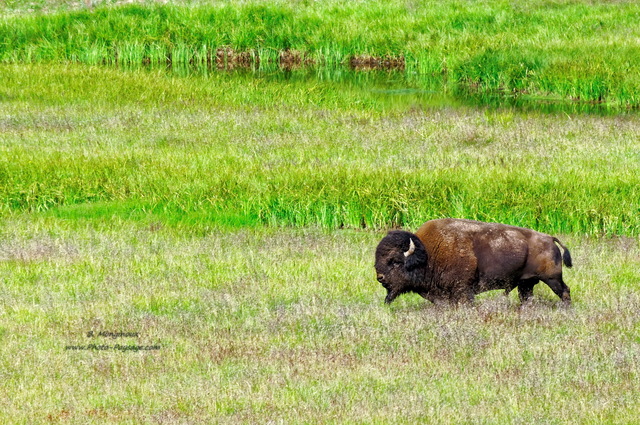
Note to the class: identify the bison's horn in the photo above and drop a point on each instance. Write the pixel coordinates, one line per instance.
(412, 248)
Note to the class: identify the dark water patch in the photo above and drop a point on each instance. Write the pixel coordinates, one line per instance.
(468, 84)
(397, 88)
(394, 87)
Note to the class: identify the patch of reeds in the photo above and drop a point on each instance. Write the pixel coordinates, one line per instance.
(583, 52)
(367, 62)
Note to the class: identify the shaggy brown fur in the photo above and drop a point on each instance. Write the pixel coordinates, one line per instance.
(453, 259)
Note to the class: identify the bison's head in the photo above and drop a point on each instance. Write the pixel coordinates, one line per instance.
(401, 260)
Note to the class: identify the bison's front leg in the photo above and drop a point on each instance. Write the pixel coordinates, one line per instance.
(462, 297)
(391, 295)
(427, 296)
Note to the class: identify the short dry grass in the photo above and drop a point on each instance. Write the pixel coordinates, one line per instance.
(289, 326)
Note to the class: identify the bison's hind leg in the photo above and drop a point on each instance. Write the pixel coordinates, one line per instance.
(558, 286)
(525, 288)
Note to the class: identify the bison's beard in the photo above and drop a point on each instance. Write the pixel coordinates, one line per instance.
(412, 281)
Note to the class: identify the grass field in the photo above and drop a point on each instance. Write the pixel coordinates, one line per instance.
(289, 326)
(221, 219)
(229, 151)
(226, 223)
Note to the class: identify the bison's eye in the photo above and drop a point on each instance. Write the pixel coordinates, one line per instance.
(394, 262)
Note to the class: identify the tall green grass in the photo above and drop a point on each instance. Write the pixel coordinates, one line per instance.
(222, 150)
(570, 49)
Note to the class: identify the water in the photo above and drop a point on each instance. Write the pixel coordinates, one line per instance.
(399, 89)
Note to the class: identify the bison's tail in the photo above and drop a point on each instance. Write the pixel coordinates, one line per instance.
(566, 255)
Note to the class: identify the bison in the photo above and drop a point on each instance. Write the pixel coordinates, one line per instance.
(452, 260)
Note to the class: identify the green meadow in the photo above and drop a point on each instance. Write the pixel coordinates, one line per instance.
(224, 222)
(568, 49)
(223, 150)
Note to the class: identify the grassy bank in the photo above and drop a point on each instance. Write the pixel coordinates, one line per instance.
(570, 49)
(89, 142)
(289, 326)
